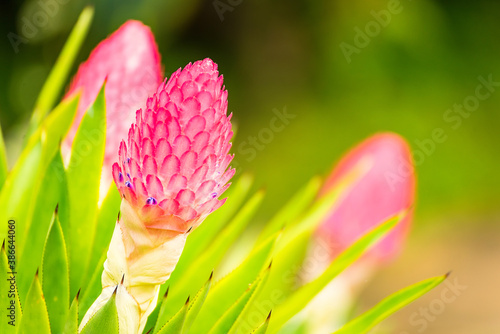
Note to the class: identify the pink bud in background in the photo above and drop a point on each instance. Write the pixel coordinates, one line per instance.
(130, 63)
(172, 169)
(387, 188)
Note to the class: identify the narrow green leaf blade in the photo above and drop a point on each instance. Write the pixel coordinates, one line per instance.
(365, 322)
(54, 193)
(92, 289)
(71, 324)
(231, 320)
(57, 77)
(301, 297)
(176, 324)
(262, 329)
(36, 317)
(21, 188)
(237, 282)
(107, 215)
(196, 305)
(84, 174)
(55, 277)
(105, 320)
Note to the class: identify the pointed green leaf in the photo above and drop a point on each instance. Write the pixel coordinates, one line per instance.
(71, 324)
(232, 320)
(196, 305)
(54, 193)
(3, 161)
(292, 248)
(237, 282)
(107, 215)
(105, 320)
(84, 175)
(92, 289)
(22, 186)
(10, 313)
(35, 318)
(180, 287)
(301, 297)
(389, 305)
(262, 328)
(176, 324)
(57, 77)
(55, 276)
(192, 312)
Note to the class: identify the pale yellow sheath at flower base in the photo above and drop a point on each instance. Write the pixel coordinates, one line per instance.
(170, 173)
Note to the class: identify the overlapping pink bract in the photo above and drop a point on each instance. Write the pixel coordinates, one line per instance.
(385, 190)
(130, 63)
(172, 169)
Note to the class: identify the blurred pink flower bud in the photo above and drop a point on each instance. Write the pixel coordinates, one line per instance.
(387, 188)
(172, 170)
(129, 60)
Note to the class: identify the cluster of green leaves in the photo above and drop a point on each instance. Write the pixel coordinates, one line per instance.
(62, 234)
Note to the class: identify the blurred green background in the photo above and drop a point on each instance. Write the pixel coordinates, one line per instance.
(340, 85)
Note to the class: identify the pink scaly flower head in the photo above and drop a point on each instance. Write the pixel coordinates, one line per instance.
(130, 63)
(387, 188)
(172, 169)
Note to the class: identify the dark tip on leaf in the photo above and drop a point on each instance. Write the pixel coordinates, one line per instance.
(78, 294)
(187, 301)
(211, 274)
(189, 230)
(166, 293)
(269, 316)
(57, 209)
(116, 289)
(149, 331)
(119, 213)
(447, 274)
(36, 274)
(3, 245)
(123, 279)
(270, 264)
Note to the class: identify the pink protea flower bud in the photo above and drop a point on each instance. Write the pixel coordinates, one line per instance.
(172, 169)
(171, 172)
(386, 189)
(130, 63)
